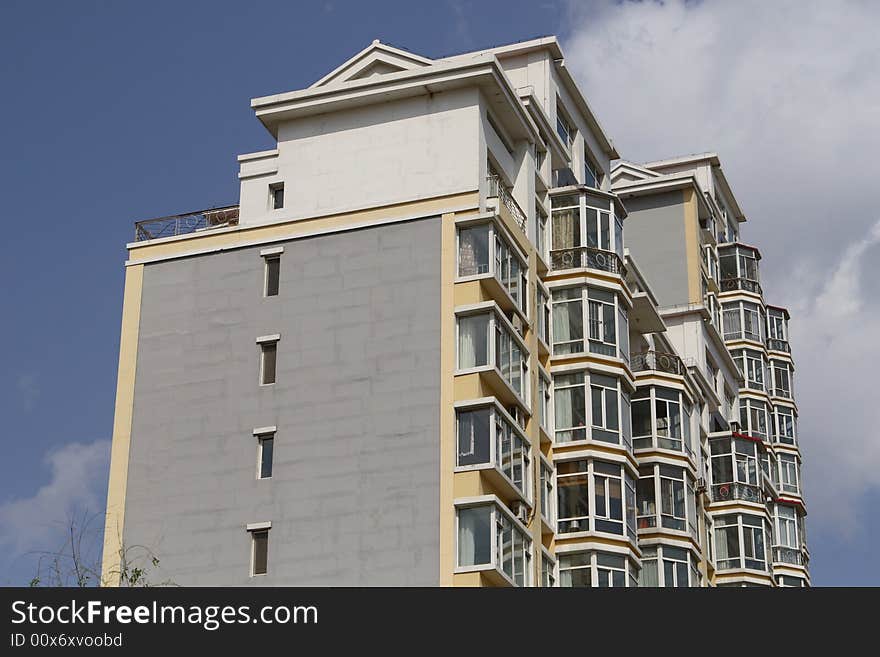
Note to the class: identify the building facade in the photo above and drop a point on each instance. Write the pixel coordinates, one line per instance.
(420, 351)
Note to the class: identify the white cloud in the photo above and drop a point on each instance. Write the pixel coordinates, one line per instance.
(77, 484)
(787, 93)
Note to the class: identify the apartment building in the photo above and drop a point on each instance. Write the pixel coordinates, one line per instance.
(684, 227)
(420, 351)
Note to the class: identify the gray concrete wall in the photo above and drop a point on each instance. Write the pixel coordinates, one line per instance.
(654, 234)
(354, 497)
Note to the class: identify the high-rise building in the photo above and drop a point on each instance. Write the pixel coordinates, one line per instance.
(684, 229)
(417, 352)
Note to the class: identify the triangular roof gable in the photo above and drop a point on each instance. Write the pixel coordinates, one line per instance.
(629, 171)
(376, 59)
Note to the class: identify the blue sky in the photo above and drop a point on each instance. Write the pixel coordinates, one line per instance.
(119, 111)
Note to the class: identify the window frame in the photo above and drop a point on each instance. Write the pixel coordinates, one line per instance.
(592, 379)
(262, 434)
(586, 343)
(265, 344)
(496, 556)
(255, 530)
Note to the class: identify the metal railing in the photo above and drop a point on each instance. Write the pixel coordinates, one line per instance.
(736, 491)
(587, 256)
(497, 189)
(774, 344)
(182, 224)
(656, 360)
(783, 554)
(732, 284)
(780, 392)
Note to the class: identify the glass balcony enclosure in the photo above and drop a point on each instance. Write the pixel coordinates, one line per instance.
(669, 566)
(487, 436)
(789, 474)
(739, 268)
(787, 538)
(734, 470)
(591, 406)
(589, 319)
(661, 418)
(666, 499)
(595, 496)
(753, 418)
(585, 232)
(785, 425)
(741, 541)
(485, 250)
(596, 569)
(782, 374)
(754, 367)
(743, 321)
(486, 339)
(490, 538)
(777, 329)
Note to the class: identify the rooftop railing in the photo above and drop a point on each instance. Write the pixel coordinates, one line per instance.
(497, 189)
(658, 361)
(733, 284)
(182, 224)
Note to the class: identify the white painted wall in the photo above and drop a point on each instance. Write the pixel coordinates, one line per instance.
(398, 151)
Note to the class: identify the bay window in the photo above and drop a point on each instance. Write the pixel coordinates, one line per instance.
(601, 311)
(739, 268)
(608, 402)
(786, 425)
(753, 366)
(786, 526)
(734, 469)
(678, 567)
(595, 496)
(585, 232)
(777, 329)
(673, 488)
(487, 339)
(753, 417)
(596, 569)
(548, 570)
(661, 418)
(488, 437)
(743, 320)
(489, 537)
(485, 250)
(740, 542)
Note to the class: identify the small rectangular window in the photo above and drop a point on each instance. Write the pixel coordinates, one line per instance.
(260, 550)
(273, 275)
(266, 450)
(277, 193)
(268, 355)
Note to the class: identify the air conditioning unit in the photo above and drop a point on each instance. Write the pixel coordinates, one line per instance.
(521, 511)
(701, 485)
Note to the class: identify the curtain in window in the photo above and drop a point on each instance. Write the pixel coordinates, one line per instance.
(568, 325)
(473, 251)
(565, 408)
(649, 578)
(566, 229)
(474, 539)
(472, 341)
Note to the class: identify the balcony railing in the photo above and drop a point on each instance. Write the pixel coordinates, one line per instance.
(782, 554)
(182, 224)
(733, 284)
(780, 392)
(497, 189)
(586, 256)
(735, 491)
(774, 344)
(657, 361)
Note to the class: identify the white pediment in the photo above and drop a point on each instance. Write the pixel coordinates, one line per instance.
(375, 60)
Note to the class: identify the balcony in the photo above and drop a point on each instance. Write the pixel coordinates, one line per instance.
(657, 361)
(735, 491)
(586, 256)
(497, 189)
(183, 224)
(733, 284)
(789, 555)
(774, 344)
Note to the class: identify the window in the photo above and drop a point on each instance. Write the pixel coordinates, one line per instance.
(781, 379)
(570, 406)
(743, 320)
(547, 494)
(484, 250)
(489, 537)
(592, 173)
(544, 402)
(608, 489)
(675, 491)
(541, 234)
(585, 233)
(753, 366)
(259, 550)
(605, 412)
(777, 329)
(563, 126)
(473, 340)
(595, 569)
(548, 570)
(606, 319)
(788, 473)
(568, 321)
(486, 436)
(785, 425)
(276, 195)
(734, 469)
(673, 510)
(753, 418)
(786, 526)
(573, 508)
(542, 311)
(675, 567)
(785, 581)
(606, 400)
(268, 356)
(266, 446)
(603, 333)
(273, 275)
